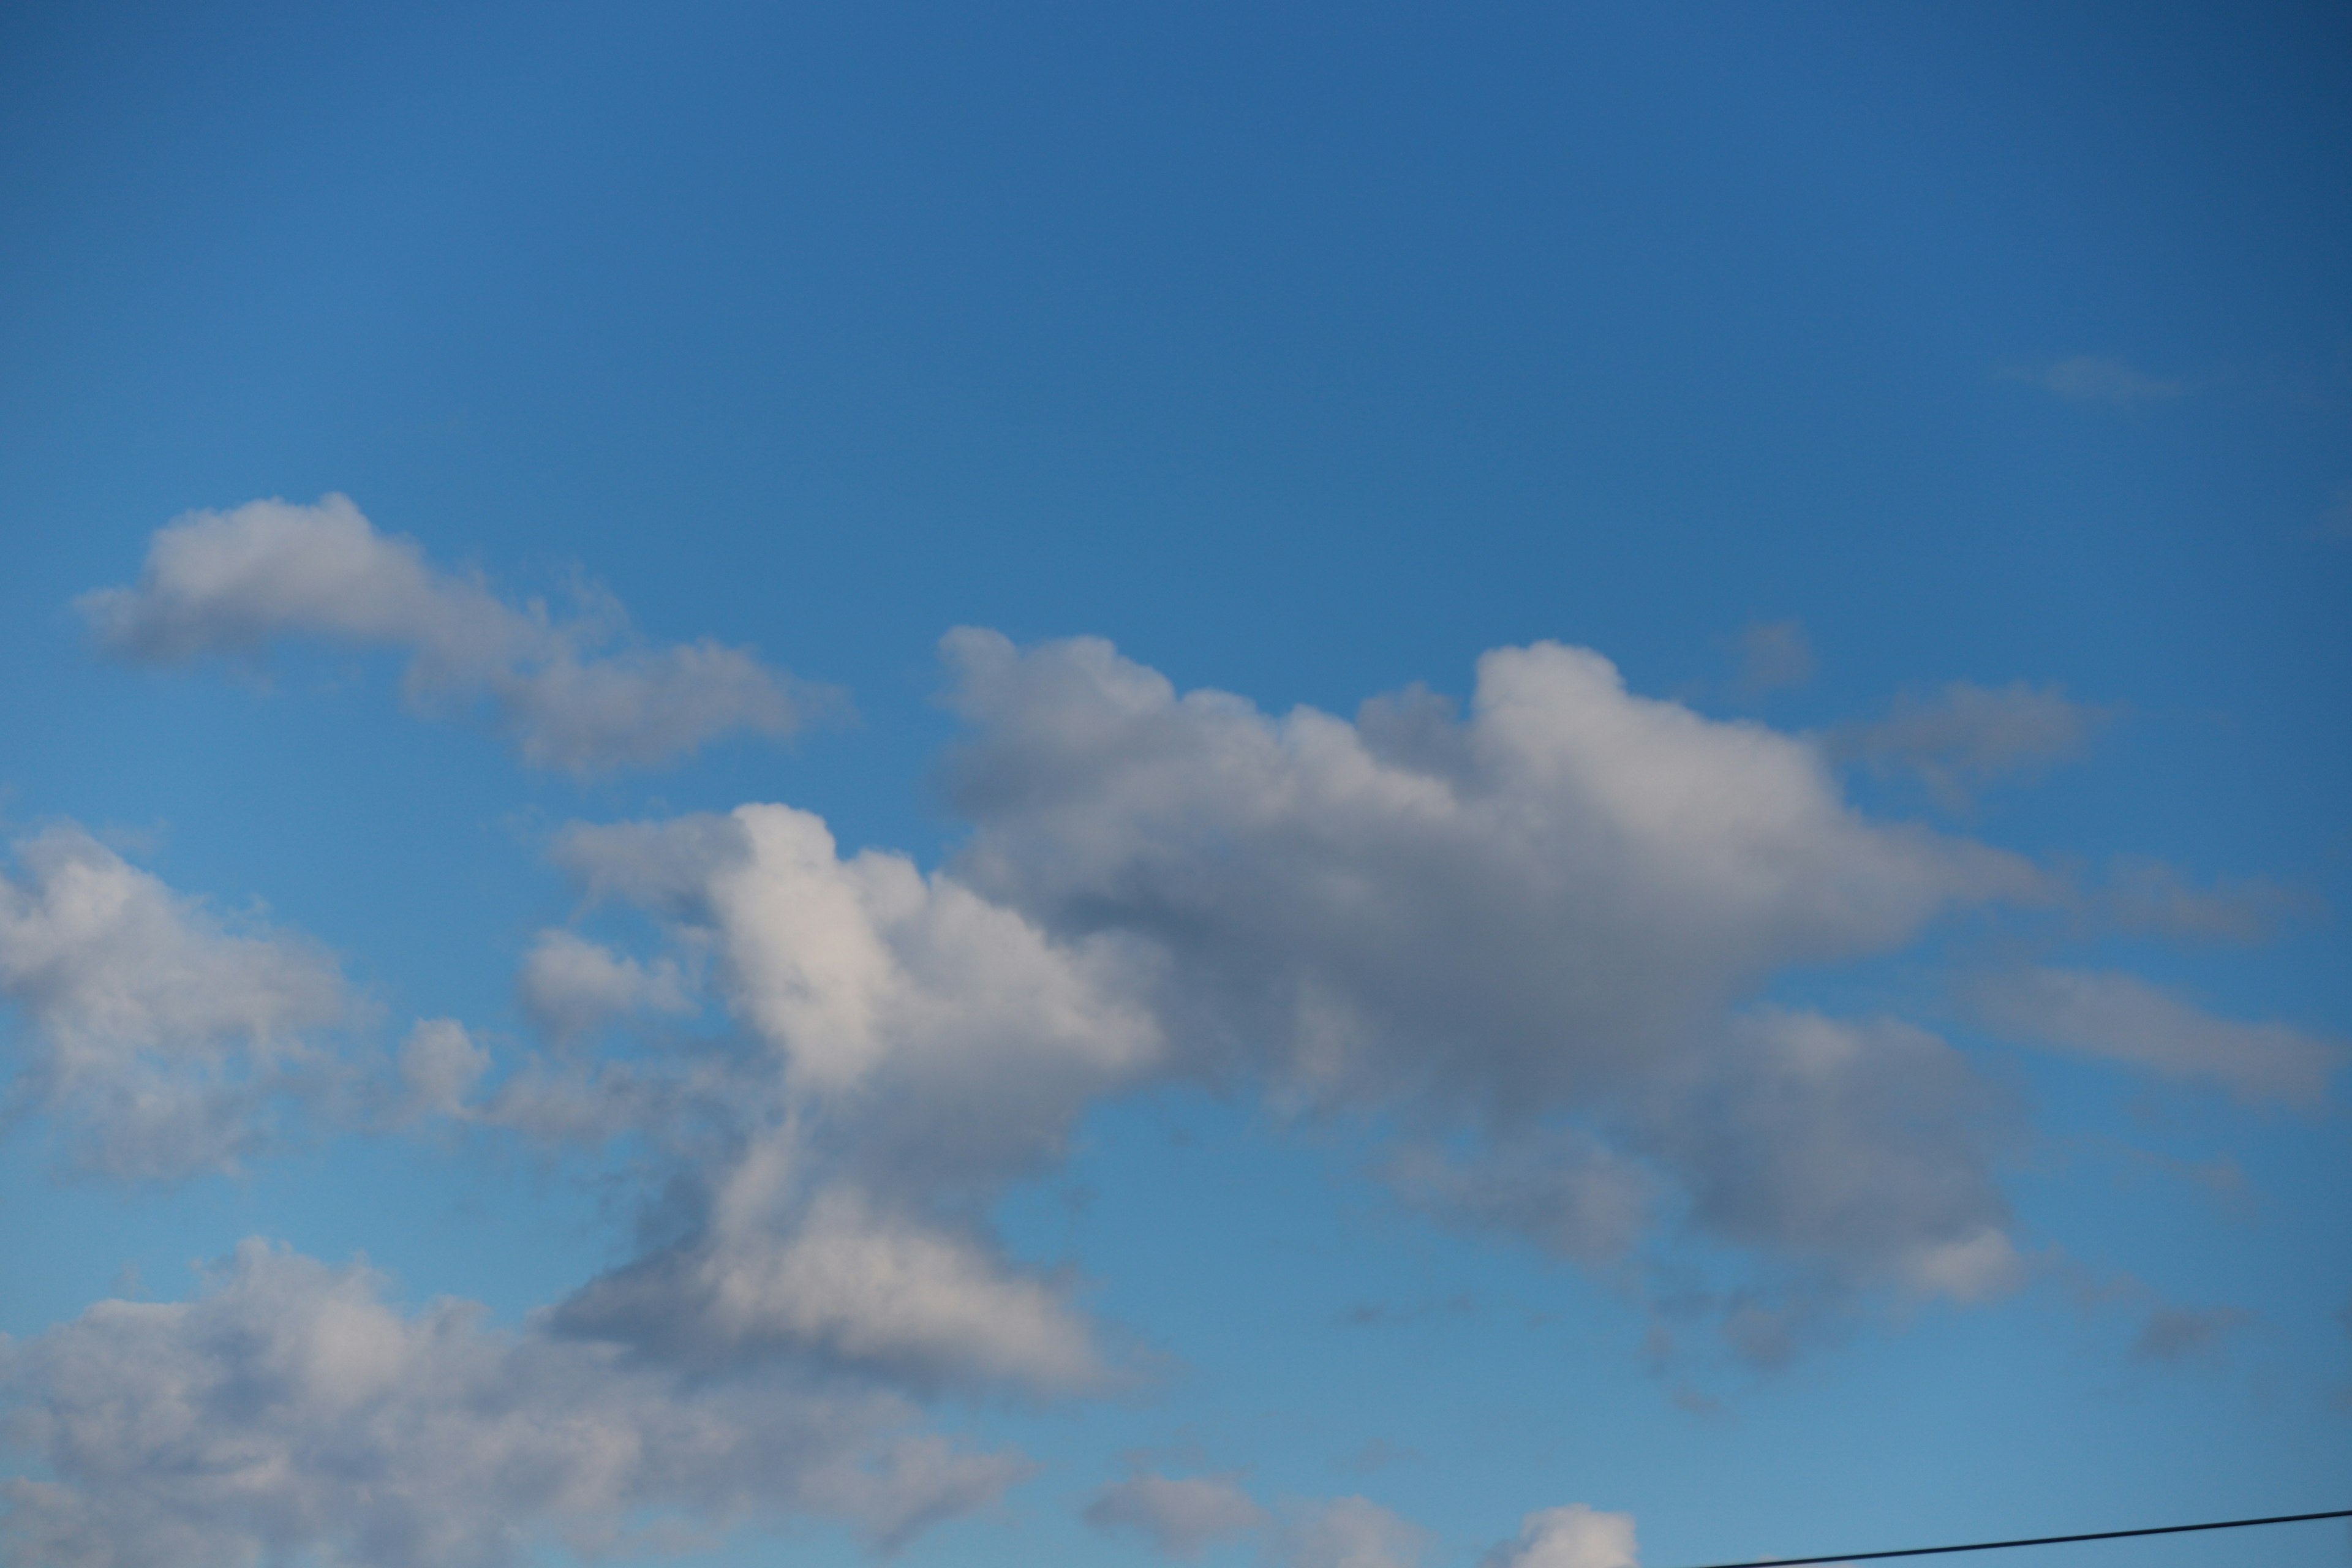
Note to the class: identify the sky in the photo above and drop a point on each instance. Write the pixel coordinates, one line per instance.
(1319, 787)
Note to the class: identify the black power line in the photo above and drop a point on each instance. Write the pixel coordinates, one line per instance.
(2035, 1540)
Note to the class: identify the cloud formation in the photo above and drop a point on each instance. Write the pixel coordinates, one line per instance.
(1967, 736)
(290, 1410)
(913, 1048)
(584, 694)
(1555, 906)
(1349, 1532)
(1576, 1536)
(2123, 1018)
(1179, 1515)
(161, 1035)
(1530, 939)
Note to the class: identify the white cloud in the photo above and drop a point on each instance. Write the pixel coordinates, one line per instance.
(913, 1048)
(1530, 940)
(1536, 901)
(570, 986)
(291, 1411)
(439, 1066)
(161, 1035)
(1178, 1514)
(584, 694)
(2099, 378)
(1350, 1533)
(2121, 1017)
(1967, 736)
(1576, 1536)
(1551, 907)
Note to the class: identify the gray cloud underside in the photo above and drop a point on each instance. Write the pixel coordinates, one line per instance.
(584, 694)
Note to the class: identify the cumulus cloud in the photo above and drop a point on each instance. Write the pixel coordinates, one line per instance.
(1552, 905)
(1967, 736)
(1349, 1532)
(2123, 1018)
(1526, 942)
(1179, 1515)
(912, 1049)
(583, 693)
(161, 1035)
(1576, 1536)
(290, 1410)
(439, 1066)
(2099, 378)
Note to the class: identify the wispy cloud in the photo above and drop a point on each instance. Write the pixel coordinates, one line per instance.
(584, 693)
(1179, 1515)
(1774, 655)
(2123, 1018)
(2099, 378)
(2173, 1334)
(1966, 737)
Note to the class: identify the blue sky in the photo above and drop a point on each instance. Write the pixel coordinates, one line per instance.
(1058, 784)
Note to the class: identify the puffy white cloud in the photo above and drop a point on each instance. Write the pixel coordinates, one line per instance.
(1541, 900)
(1178, 1514)
(1529, 941)
(932, 1040)
(439, 1066)
(1576, 1536)
(2121, 1017)
(1350, 1533)
(1551, 907)
(1968, 736)
(291, 1411)
(913, 1048)
(161, 1035)
(582, 694)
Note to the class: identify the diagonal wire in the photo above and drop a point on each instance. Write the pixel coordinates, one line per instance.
(2032, 1541)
